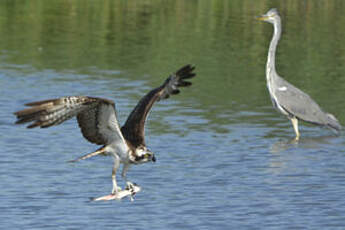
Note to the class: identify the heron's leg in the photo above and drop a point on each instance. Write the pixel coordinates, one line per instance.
(113, 175)
(294, 122)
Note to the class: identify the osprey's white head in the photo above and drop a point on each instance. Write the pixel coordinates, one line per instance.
(143, 155)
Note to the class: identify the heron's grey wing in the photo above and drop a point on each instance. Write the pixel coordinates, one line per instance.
(96, 116)
(133, 130)
(299, 104)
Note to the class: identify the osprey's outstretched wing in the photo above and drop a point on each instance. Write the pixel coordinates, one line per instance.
(96, 117)
(133, 130)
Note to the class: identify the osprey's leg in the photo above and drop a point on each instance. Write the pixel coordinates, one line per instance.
(113, 175)
(124, 175)
(124, 171)
(294, 122)
(129, 185)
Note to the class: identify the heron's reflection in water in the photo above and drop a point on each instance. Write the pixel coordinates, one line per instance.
(304, 143)
(283, 151)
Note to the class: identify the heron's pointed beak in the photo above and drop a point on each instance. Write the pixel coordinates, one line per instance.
(261, 17)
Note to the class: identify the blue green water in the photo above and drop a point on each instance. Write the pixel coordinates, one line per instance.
(224, 157)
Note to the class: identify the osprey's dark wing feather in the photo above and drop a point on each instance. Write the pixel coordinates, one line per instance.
(133, 130)
(96, 116)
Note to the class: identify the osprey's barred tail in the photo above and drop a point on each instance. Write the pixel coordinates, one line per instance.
(52, 112)
(333, 123)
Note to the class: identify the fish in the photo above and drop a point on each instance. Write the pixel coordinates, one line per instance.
(131, 190)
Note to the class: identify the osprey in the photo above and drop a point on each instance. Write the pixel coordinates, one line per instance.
(97, 120)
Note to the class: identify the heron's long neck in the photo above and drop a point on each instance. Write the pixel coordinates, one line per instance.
(270, 66)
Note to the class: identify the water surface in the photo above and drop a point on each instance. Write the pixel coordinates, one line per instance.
(225, 159)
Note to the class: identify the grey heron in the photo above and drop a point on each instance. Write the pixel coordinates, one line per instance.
(286, 98)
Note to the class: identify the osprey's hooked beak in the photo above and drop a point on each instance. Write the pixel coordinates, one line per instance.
(150, 156)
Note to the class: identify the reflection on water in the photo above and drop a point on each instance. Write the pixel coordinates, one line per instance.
(304, 143)
(283, 145)
(225, 160)
(281, 149)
